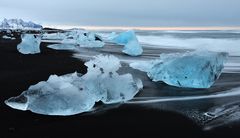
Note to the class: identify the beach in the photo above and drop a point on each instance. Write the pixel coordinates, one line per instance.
(18, 72)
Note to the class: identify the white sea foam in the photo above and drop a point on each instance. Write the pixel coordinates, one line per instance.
(232, 46)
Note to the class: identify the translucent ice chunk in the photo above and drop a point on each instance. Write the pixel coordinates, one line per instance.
(112, 87)
(83, 39)
(71, 94)
(56, 96)
(30, 44)
(120, 88)
(130, 42)
(125, 37)
(133, 48)
(199, 69)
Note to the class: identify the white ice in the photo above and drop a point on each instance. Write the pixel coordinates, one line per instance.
(72, 94)
(54, 36)
(76, 37)
(30, 44)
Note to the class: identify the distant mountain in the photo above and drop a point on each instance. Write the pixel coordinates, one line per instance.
(15, 24)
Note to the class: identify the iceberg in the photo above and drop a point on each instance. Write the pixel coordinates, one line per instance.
(113, 88)
(130, 42)
(198, 69)
(56, 96)
(75, 93)
(30, 44)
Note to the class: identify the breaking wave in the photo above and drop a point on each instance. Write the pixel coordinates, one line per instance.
(230, 45)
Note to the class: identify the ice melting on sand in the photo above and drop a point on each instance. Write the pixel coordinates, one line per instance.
(72, 94)
(84, 39)
(199, 69)
(30, 44)
(77, 37)
(54, 36)
(130, 42)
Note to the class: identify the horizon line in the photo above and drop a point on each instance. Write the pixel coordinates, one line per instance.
(146, 28)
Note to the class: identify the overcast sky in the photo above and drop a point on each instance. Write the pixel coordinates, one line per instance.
(125, 12)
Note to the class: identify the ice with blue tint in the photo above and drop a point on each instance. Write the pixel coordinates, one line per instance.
(125, 37)
(133, 48)
(54, 36)
(83, 39)
(130, 42)
(30, 44)
(56, 96)
(111, 36)
(198, 69)
(74, 93)
(77, 37)
(112, 87)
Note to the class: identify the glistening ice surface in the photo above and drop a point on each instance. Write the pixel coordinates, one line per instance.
(199, 69)
(130, 42)
(30, 44)
(71, 94)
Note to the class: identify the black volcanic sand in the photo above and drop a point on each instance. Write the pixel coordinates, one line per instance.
(18, 72)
